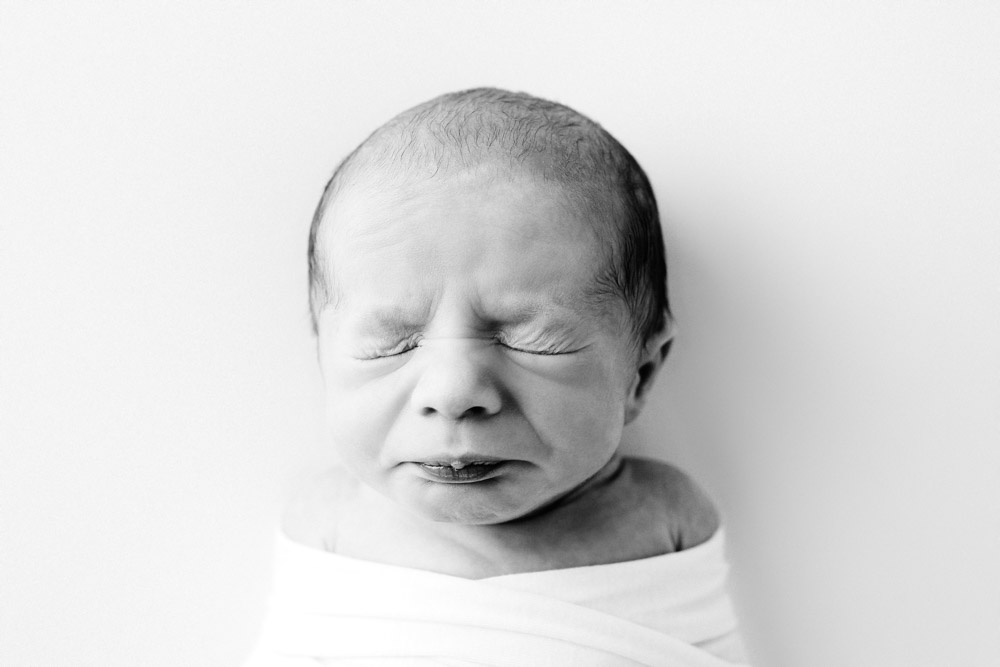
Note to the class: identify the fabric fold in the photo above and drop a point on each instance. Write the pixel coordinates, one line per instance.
(665, 611)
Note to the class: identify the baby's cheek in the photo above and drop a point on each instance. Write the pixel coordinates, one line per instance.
(358, 421)
(578, 403)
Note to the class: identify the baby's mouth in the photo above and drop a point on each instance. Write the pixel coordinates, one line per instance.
(461, 471)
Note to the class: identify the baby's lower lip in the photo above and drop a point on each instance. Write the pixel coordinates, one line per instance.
(470, 472)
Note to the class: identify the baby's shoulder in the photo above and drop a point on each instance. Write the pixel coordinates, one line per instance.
(311, 516)
(685, 509)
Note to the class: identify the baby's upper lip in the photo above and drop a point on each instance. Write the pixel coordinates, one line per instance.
(464, 459)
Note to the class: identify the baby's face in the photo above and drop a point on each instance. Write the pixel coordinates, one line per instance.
(461, 333)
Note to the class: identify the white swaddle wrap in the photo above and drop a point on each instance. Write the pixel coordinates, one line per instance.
(668, 611)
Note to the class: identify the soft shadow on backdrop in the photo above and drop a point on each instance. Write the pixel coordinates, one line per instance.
(828, 178)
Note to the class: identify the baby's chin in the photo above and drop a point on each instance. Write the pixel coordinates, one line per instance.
(481, 504)
(486, 517)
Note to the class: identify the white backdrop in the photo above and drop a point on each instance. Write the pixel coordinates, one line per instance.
(829, 179)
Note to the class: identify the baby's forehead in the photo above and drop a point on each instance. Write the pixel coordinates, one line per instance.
(381, 200)
(375, 193)
(475, 212)
(522, 245)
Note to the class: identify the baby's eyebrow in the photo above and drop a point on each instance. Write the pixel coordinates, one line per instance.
(394, 320)
(547, 326)
(535, 311)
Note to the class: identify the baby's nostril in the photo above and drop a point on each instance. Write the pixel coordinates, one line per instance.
(473, 411)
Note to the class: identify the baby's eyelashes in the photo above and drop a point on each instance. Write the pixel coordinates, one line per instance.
(371, 352)
(539, 346)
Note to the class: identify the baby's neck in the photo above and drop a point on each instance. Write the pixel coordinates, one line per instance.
(603, 520)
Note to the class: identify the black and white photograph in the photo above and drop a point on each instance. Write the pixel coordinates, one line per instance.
(486, 333)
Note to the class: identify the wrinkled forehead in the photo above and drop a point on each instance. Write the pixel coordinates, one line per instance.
(376, 209)
(497, 228)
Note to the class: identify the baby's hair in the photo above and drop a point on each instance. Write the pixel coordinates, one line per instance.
(519, 132)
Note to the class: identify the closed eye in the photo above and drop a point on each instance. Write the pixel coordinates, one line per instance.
(399, 350)
(539, 351)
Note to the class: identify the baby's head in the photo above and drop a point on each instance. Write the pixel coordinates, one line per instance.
(488, 287)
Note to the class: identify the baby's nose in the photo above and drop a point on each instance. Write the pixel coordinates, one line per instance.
(457, 380)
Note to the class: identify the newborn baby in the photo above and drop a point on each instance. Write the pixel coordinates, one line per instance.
(488, 290)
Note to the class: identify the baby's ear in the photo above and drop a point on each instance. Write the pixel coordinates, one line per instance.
(650, 361)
